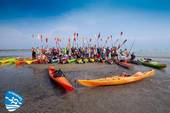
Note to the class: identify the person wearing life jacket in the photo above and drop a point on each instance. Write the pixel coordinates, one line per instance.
(114, 53)
(59, 73)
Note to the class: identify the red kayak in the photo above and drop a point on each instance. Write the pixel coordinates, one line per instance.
(60, 80)
(20, 62)
(124, 64)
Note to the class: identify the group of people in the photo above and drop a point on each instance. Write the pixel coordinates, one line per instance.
(104, 53)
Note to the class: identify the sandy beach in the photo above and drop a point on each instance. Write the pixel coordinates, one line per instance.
(42, 95)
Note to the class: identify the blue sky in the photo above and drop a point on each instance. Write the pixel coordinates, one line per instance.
(146, 21)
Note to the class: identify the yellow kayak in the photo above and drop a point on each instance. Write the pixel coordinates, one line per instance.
(92, 60)
(7, 60)
(30, 61)
(85, 60)
(3, 61)
(79, 61)
(117, 80)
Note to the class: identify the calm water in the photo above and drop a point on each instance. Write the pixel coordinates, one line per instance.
(25, 53)
(153, 54)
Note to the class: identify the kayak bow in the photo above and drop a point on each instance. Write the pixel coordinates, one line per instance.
(60, 80)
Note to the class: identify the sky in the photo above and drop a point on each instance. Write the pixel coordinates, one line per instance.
(145, 21)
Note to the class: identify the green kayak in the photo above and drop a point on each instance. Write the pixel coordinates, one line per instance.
(11, 60)
(71, 60)
(153, 64)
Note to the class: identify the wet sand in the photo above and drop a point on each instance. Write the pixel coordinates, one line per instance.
(42, 95)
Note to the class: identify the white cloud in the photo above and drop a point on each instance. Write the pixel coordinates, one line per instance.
(149, 30)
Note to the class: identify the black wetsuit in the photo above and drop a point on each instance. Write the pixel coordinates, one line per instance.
(132, 57)
(33, 54)
(59, 73)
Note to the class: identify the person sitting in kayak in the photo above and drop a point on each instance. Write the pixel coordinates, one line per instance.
(147, 59)
(58, 73)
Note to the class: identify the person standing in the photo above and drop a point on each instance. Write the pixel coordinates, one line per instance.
(132, 56)
(33, 53)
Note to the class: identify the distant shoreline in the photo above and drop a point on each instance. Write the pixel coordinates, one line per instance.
(15, 49)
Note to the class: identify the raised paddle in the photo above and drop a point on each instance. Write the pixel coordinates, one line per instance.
(131, 47)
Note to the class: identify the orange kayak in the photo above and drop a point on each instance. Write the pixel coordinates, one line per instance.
(60, 80)
(116, 80)
(124, 64)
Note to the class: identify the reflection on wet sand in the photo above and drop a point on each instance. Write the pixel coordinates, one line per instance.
(43, 95)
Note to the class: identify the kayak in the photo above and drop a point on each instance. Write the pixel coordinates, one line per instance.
(116, 80)
(79, 61)
(98, 60)
(60, 80)
(30, 61)
(109, 61)
(71, 60)
(11, 60)
(91, 60)
(64, 61)
(124, 64)
(85, 60)
(4, 61)
(56, 60)
(19, 62)
(153, 64)
(7, 60)
(103, 61)
(134, 62)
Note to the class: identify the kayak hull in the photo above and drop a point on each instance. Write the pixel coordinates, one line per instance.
(30, 61)
(85, 60)
(8, 61)
(20, 62)
(91, 60)
(134, 62)
(116, 80)
(80, 61)
(153, 64)
(71, 60)
(109, 61)
(124, 64)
